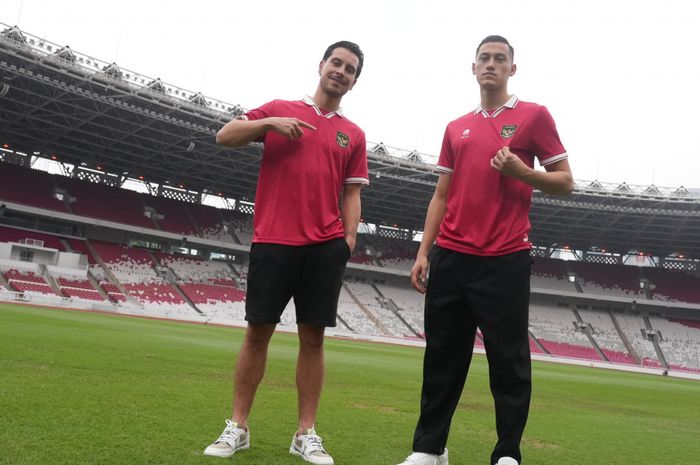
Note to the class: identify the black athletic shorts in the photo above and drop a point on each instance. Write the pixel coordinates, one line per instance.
(311, 274)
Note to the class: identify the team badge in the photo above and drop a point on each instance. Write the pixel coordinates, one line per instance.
(342, 139)
(508, 131)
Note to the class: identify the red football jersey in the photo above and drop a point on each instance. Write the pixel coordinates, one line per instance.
(487, 212)
(300, 180)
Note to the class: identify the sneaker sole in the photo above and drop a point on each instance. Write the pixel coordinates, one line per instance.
(293, 451)
(222, 453)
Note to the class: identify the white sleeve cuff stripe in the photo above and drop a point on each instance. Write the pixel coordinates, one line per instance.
(554, 159)
(444, 169)
(363, 181)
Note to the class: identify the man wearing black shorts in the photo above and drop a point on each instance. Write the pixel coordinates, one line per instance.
(302, 239)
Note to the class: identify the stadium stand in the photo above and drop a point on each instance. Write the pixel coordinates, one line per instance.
(680, 343)
(597, 311)
(674, 286)
(368, 300)
(206, 283)
(407, 301)
(88, 199)
(394, 253)
(606, 335)
(197, 270)
(82, 294)
(80, 247)
(690, 323)
(362, 258)
(535, 347)
(135, 270)
(209, 222)
(241, 227)
(19, 235)
(27, 282)
(125, 207)
(232, 224)
(551, 274)
(29, 187)
(113, 291)
(632, 326)
(171, 215)
(383, 308)
(555, 329)
(356, 316)
(618, 280)
(80, 289)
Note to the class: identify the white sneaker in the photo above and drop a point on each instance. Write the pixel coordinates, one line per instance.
(231, 440)
(308, 446)
(421, 458)
(507, 461)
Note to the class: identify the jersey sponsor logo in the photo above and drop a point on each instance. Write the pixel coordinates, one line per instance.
(508, 131)
(465, 134)
(342, 139)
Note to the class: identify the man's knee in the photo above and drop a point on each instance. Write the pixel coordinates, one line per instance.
(258, 335)
(311, 337)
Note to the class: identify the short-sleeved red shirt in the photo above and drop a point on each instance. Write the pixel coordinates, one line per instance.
(298, 193)
(487, 212)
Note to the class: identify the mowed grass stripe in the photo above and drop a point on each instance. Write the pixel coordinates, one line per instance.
(90, 388)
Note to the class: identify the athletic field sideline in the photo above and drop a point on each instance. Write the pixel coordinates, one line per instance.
(91, 388)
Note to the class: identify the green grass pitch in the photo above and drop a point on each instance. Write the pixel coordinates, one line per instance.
(89, 388)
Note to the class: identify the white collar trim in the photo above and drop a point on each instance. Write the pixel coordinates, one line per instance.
(511, 103)
(309, 101)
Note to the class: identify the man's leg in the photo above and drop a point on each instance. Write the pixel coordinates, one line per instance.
(449, 332)
(272, 275)
(503, 318)
(309, 373)
(250, 369)
(316, 302)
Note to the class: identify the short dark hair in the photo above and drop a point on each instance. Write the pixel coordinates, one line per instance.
(353, 47)
(500, 39)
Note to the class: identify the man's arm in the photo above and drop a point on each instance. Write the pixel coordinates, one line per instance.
(556, 180)
(240, 132)
(436, 212)
(350, 212)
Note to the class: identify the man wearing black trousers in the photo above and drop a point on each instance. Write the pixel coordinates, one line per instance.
(480, 271)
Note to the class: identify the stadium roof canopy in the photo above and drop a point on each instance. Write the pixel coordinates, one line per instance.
(61, 104)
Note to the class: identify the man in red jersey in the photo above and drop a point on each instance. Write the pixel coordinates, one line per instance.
(480, 270)
(301, 240)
